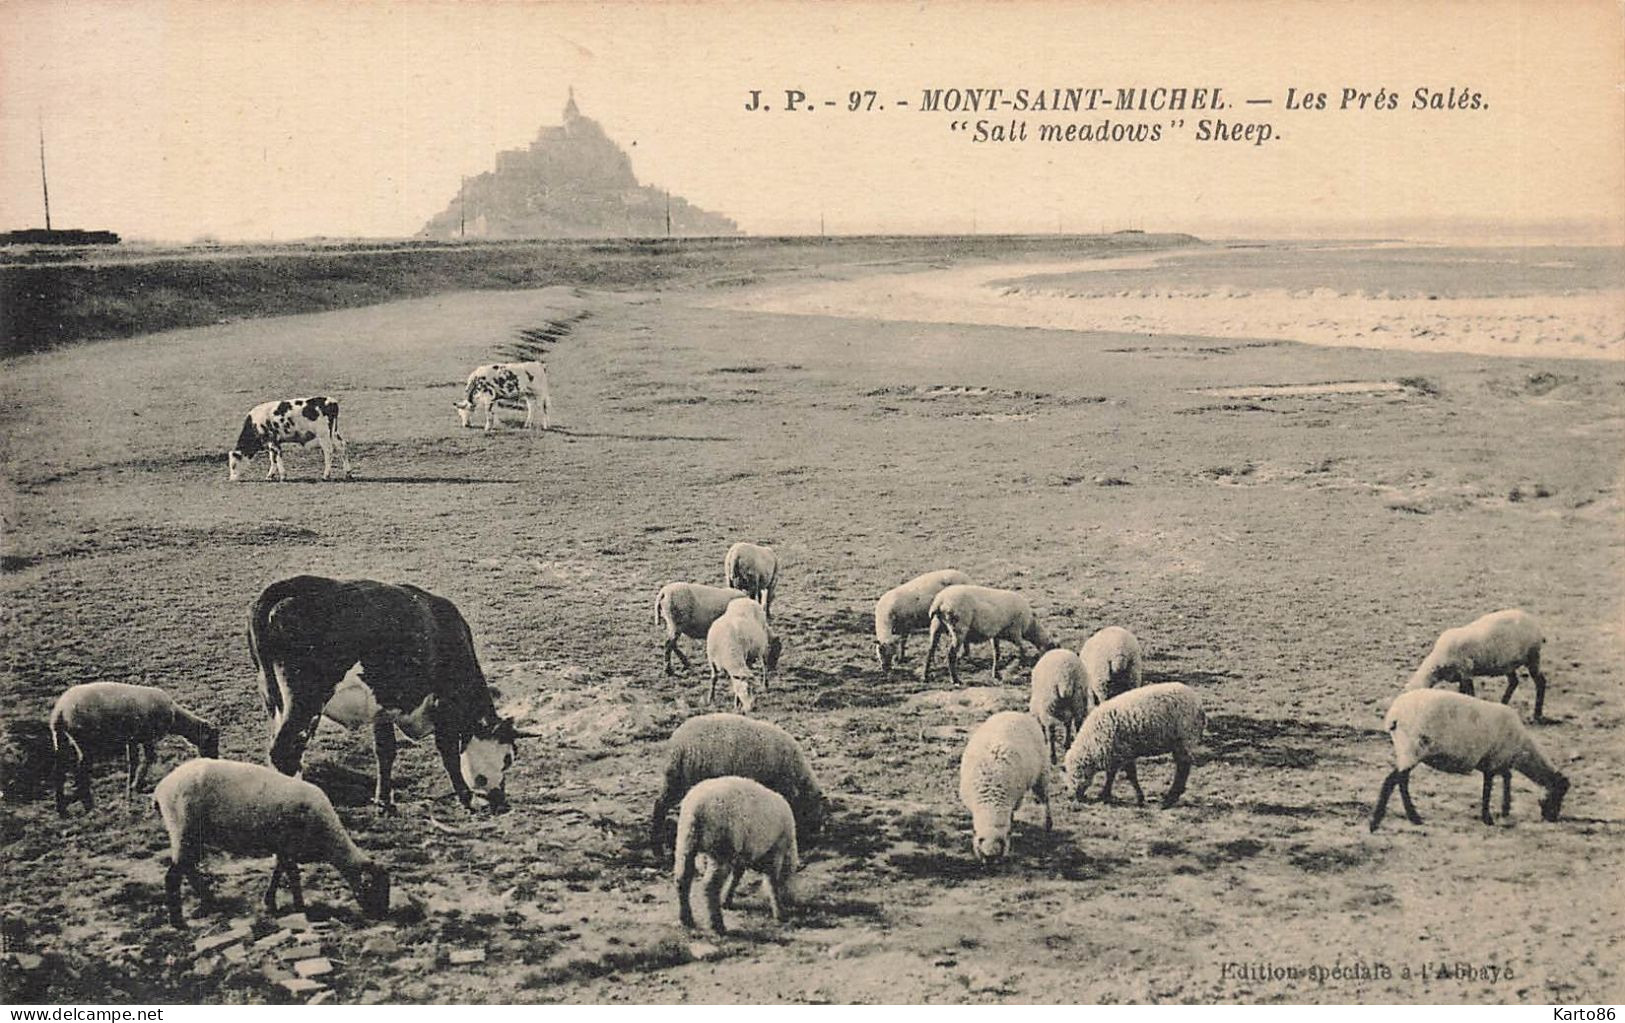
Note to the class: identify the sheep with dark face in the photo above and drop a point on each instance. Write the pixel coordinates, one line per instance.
(251, 810)
(1060, 696)
(736, 643)
(1459, 734)
(1499, 643)
(1145, 722)
(976, 614)
(102, 717)
(688, 609)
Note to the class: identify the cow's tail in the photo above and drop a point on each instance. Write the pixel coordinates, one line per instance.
(331, 410)
(260, 649)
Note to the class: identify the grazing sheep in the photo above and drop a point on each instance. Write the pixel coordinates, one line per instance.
(98, 717)
(715, 745)
(251, 810)
(1457, 733)
(737, 641)
(1059, 696)
(1111, 660)
(754, 569)
(906, 609)
(739, 824)
(975, 614)
(1496, 644)
(688, 609)
(1002, 761)
(1145, 722)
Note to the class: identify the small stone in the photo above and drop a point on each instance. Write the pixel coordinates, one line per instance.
(235, 953)
(463, 956)
(313, 967)
(381, 945)
(206, 967)
(300, 952)
(275, 974)
(28, 962)
(226, 937)
(321, 996)
(300, 985)
(854, 948)
(273, 939)
(295, 922)
(703, 950)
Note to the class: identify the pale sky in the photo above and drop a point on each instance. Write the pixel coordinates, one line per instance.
(289, 118)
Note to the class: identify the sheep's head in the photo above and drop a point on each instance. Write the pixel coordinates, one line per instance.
(744, 697)
(370, 883)
(990, 834)
(775, 649)
(209, 744)
(1552, 805)
(1079, 773)
(886, 651)
(811, 811)
(1038, 636)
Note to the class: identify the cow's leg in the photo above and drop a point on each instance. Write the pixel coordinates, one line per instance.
(304, 693)
(326, 444)
(547, 411)
(272, 456)
(383, 747)
(447, 742)
(490, 412)
(529, 411)
(344, 452)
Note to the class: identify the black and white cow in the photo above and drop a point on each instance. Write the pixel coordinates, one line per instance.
(272, 424)
(506, 381)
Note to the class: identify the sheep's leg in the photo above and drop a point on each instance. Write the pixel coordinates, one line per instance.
(172, 894)
(673, 648)
(657, 825)
(273, 884)
(685, 881)
(1182, 771)
(1388, 784)
(82, 776)
(1506, 793)
(290, 873)
(1405, 795)
(383, 748)
(1132, 774)
(733, 885)
(1049, 734)
(712, 698)
(1041, 793)
(1540, 684)
(902, 647)
(1484, 804)
(930, 652)
(995, 675)
(1106, 789)
(1512, 685)
(149, 754)
(713, 896)
(953, 663)
(132, 760)
(59, 778)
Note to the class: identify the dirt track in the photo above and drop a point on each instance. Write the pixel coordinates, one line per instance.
(1291, 554)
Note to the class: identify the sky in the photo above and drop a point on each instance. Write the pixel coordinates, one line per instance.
(281, 119)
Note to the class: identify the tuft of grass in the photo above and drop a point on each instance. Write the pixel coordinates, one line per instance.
(1421, 385)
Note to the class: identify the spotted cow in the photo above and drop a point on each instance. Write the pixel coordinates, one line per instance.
(506, 381)
(272, 424)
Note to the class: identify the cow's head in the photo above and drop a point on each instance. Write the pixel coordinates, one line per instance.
(249, 444)
(462, 408)
(486, 757)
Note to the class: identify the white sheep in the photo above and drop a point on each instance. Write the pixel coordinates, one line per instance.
(1003, 760)
(688, 609)
(975, 614)
(98, 717)
(1458, 733)
(906, 609)
(1145, 722)
(734, 644)
(754, 569)
(1496, 644)
(715, 745)
(1111, 661)
(1059, 697)
(739, 824)
(251, 810)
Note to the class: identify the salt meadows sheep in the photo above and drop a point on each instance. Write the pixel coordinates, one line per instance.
(739, 824)
(99, 717)
(975, 614)
(906, 609)
(688, 609)
(715, 745)
(1145, 722)
(754, 569)
(1458, 733)
(1003, 760)
(1059, 697)
(1496, 644)
(1111, 659)
(251, 810)
(735, 644)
